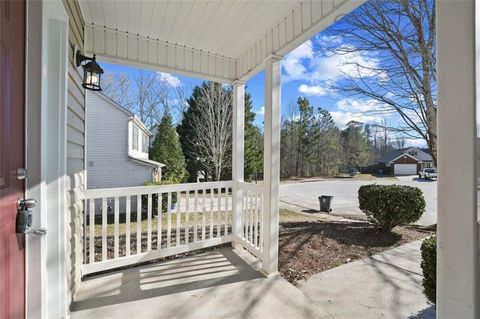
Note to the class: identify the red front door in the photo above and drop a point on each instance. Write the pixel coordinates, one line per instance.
(12, 141)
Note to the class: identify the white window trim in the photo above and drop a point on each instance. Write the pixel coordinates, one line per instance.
(138, 153)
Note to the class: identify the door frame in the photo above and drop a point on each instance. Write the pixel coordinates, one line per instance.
(45, 149)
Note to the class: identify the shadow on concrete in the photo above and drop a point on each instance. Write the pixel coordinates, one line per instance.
(423, 180)
(213, 269)
(311, 211)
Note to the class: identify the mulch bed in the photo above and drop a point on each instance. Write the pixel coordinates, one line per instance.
(311, 247)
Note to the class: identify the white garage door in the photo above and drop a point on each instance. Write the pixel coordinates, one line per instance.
(405, 169)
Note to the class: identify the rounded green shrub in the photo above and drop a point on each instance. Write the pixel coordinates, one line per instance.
(429, 267)
(388, 206)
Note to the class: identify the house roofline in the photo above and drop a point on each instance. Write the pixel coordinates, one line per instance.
(411, 156)
(109, 100)
(146, 162)
(142, 126)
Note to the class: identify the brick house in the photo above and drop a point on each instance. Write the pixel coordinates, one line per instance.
(406, 161)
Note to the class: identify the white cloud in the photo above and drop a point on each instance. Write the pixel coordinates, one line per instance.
(329, 40)
(342, 118)
(366, 111)
(356, 65)
(313, 90)
(261, 112)
(415, 142)
(317, 67)
(293, 63)
(171, 80)
(363, 106)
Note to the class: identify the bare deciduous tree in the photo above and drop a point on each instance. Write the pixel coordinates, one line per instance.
(147, 95)
(213, 135)
(150, 97)
(400, 35)
(117, 87)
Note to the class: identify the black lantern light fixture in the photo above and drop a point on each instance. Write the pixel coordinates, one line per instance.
(92, 72)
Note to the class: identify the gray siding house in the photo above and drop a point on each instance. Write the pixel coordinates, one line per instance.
(117, 146)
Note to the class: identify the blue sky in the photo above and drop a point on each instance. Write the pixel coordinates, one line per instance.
(308, 71)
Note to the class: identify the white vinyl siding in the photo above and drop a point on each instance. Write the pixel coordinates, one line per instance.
(75, 149)
(108, 161)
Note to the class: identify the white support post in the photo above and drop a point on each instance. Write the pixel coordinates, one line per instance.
(271, 165)
(237, 157)
(457, 247)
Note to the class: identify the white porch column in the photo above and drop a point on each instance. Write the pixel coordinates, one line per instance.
(238, 156)
(271, 164)
(457, 259)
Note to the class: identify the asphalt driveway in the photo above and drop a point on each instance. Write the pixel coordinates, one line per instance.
(304, 196)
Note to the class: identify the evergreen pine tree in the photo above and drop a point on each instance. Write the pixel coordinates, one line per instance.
(253, 142)
(167, 149)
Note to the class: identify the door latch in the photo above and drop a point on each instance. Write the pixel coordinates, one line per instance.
(24, 218)
(22, 173)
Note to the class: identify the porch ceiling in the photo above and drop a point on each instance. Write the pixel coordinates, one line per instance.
(219, 40)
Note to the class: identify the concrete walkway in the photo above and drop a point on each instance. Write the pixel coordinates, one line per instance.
(386, 285)
(217, 284)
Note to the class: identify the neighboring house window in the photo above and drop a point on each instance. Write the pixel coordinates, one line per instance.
(145, 143)
(135, 138)
(413, 153)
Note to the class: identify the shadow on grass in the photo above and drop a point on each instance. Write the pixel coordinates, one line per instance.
(345, 233)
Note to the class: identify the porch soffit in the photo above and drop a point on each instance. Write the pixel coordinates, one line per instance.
(214, 40)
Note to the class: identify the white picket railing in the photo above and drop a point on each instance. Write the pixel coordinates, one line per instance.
(130, 225)
(252, 218)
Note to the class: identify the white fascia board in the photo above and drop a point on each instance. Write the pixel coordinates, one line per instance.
(404, 155)
(129, 49)
(146, 161)
(135, 119)
(110, 101)
(303, 22)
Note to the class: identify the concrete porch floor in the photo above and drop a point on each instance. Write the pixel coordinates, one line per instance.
(216, 284)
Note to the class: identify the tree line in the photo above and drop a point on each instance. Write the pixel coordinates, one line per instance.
(312, 145)
(199, 147)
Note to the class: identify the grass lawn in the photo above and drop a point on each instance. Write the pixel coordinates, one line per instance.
(285, 216)
(369, 177)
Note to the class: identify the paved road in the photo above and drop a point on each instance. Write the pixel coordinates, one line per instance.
(345, 192)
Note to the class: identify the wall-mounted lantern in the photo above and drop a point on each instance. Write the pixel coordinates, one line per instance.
(92, 72)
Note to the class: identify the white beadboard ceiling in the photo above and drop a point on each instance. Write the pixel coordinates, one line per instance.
(221, 40)
(224, 28)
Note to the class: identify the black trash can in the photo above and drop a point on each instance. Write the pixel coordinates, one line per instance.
(325, 203)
